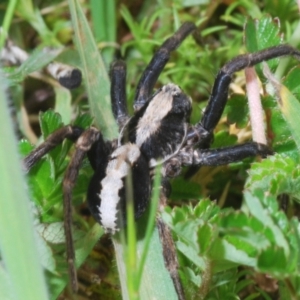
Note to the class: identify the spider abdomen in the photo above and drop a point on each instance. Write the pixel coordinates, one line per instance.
(107, 191)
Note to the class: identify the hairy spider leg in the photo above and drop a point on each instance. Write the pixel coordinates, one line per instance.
(226, 155)
(168, 247)
(84, 141)
(67, 132)
(82, 146)
(219, 95)
(118, 92)
(203, 131)
(157, 63)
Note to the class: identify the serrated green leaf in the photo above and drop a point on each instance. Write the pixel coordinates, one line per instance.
(290, 109)
(261, 34)
(191, 254)
(291, 81)
(281, 173)
(84, 121)
(224, 250)
(261, 213)
(272, 260)
(282, 141)
(41, 181)
(196, 279)
(24, 147)
(238, 111)
(206, 236)
(242, 245)
(49, 122)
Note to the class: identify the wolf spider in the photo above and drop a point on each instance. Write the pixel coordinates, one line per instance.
(158, 133)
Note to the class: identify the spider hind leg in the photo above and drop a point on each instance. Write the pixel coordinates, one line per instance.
(226, 155)
(83, 145)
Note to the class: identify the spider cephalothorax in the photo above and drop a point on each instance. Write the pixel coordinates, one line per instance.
(158, 133)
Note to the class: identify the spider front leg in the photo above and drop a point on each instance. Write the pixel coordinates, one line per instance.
(157, 63)
(118, 92)
(202, 133)
(219, 95)
(167, 242)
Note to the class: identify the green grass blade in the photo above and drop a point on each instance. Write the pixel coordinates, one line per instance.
(151, 222)
(156, 282)
(143, 274)
(103, 15)
(96, 79)
(7, 20)
(32, 15)
(18, 243)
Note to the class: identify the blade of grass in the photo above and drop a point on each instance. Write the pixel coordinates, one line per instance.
(96, 79)
(104, 26)
(131, 259)
(150, 223)
(7, 20)
(17, 240)
(147, 277)
(32, 15)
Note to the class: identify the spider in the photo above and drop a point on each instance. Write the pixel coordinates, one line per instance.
(158, 133)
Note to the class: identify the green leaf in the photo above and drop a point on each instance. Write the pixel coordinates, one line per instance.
(290, 108)
(63, 104)
(49, 122)
(282, 141)
(261, 34)
(238, 111)
(19, 246)
(181, 189)
(273, 260)
(95, 75)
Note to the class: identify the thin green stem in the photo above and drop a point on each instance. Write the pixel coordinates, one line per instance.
(151, 222)
(131, 241)
(7, 21)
